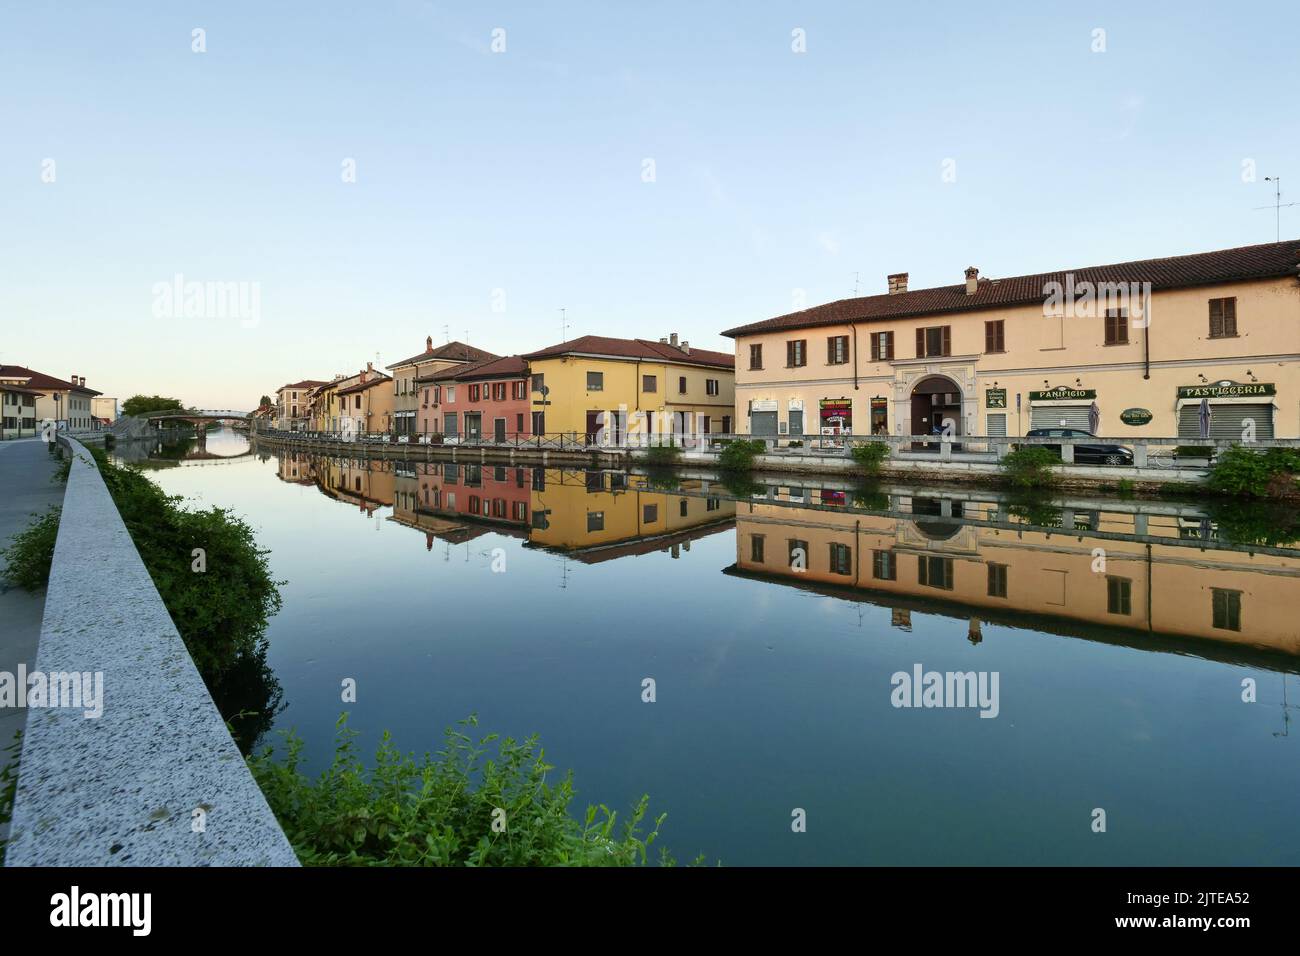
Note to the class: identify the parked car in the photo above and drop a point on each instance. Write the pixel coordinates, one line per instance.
(1084, 454)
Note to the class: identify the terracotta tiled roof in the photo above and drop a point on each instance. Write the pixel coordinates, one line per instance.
(1270, 260)
(512, 366)
(41, 380)
(452, 372)
(451, 352)
(376, 378)
(305, 383)
(635, 349)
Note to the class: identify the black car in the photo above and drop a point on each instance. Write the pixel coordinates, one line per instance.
(1084, 454)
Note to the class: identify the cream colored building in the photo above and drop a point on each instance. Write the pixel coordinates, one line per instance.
(1145, 342)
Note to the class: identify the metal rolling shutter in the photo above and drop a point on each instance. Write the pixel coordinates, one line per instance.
(1051, 416)
(997, 425)
(1225, 420)
(762, 423)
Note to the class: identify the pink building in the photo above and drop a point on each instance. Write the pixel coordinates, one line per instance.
(485, 400)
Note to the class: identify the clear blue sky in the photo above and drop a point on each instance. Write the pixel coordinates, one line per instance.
(522, 171)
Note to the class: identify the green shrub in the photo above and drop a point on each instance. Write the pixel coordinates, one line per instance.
(739, 455)
(870, 497)
(1270, 524)
(1270, 473)
(31, 552)
(869, 456)
(221, 612)
(1036, 508)
(440, 810)
(663, 455)
(1030, 467)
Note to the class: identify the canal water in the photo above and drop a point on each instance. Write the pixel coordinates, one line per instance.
(1145, 653)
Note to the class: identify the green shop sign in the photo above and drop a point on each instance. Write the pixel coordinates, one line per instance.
(995, 398)
(1135, 416)
(1061, 392)
(1226, 389)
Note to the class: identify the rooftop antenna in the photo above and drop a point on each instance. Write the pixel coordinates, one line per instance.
(1278, 205)
(855, 284)
(446, 331)
(564, 325)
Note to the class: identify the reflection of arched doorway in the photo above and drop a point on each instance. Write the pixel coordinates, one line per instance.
(936, 400)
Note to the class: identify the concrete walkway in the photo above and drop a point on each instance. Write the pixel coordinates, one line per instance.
(26, 469)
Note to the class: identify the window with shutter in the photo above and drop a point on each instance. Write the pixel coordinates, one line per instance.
(920, 343)
(1116, 327)
(1223, 318)
(994, 340)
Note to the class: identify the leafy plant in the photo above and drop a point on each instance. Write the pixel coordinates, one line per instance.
(477, 802)
(222, 611)
(1036, 508)
(1268, 524)
(663, 455)
(738, 455)
(868, 456)
(1030, 467)
(142, 404)
(1270, 473)
(31, 552)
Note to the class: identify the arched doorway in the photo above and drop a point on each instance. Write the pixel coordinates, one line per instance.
(936, 399)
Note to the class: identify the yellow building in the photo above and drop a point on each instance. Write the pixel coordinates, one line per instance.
(631, 388)
(1144, 342)
(598, 515)
(365, 405)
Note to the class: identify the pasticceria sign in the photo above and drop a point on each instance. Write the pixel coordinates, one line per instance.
(1061, 392)
(1226, 389)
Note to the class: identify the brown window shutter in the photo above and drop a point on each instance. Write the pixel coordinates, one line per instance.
(1216, 318)
(920, 343)
(830, 351)
(1230, 316)
(947, 340)
(889, 345)
(990, 337)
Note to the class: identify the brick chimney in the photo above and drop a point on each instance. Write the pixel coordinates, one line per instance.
(82, 381)
(897, 283)
(73, 378)
(972, 280)
(428, 343)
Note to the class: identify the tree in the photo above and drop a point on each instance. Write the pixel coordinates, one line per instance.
(144, 404)
(265, 402)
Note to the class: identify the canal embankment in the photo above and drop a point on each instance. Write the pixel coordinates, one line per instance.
(1147, 466)
(147, 773)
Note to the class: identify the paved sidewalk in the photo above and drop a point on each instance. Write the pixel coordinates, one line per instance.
(26, 467)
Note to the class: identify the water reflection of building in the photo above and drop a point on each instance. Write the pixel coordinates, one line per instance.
(598, 515)
(456, 502)
(367, 483)
(952, 556)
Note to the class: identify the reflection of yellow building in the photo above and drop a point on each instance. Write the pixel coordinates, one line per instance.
(368, 483)
(597, 515)
(999, 572)
(644, 387)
